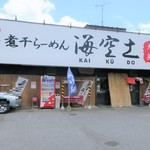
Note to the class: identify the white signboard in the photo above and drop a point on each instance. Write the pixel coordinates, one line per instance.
(50, 45)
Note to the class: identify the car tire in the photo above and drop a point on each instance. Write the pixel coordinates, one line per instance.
(4, 107)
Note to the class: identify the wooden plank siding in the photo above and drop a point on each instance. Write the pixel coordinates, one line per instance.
(119, 90)
(28, 93)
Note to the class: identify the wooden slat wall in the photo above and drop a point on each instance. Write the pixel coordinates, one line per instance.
(79, 81)
(119, 90)
(28, 93)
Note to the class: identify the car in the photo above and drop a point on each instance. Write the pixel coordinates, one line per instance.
(8, 101)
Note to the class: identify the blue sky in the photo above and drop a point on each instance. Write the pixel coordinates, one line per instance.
(130, 14)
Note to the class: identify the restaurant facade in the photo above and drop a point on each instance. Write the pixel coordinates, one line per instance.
(111, 67)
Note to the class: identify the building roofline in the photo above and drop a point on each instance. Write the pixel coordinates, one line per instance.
(87, 27)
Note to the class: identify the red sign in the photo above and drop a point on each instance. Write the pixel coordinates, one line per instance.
(147, 51)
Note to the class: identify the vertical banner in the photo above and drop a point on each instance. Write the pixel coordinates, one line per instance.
(72, 88)
(84, 88)
(20, 86)
(48, 85)
(146, 96)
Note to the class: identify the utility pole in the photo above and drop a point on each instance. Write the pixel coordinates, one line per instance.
(102, 11)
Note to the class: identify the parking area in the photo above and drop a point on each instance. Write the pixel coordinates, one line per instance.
(81, 129)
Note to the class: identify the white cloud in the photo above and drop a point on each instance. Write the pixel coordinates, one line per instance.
(71, 22)
(144, 28)
(28, 10)
(34, 11)
(3, 16)
(141, 27)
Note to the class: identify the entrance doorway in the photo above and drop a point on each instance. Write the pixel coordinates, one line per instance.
(134, 92)
(102, 91)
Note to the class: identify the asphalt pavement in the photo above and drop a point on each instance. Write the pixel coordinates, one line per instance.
(103, 128)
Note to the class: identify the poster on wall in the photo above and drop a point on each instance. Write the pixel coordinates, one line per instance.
(33, 85)
(47, 91)
(57, 85)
